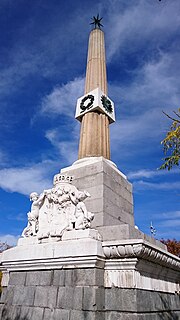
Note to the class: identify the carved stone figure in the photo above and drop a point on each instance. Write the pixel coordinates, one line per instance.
(56, 210)
(82, 215)
(33, 215)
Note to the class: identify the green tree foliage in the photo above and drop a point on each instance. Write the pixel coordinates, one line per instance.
(173, 246)
(171, 143)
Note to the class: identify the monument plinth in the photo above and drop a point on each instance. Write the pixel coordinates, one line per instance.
(80, 255)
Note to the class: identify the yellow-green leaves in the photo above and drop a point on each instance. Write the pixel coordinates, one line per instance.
(171, 143)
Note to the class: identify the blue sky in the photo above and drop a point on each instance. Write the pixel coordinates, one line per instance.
(43, 52)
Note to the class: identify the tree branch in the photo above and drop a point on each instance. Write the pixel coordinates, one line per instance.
(167, 115)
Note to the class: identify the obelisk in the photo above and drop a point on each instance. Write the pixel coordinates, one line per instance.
(94, 135)
(66, 268)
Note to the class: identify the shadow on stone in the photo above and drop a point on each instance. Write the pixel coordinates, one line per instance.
(6, 316)
(168, 314)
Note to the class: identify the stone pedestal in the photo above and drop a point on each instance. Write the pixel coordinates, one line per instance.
(111, 272)
(111, 198)
(85, 278)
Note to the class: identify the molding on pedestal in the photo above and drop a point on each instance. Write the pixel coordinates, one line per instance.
(141, 265)
(140, 249)
(92, 160)
(77, 253)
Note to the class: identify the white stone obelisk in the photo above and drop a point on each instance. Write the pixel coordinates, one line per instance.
(94, 136)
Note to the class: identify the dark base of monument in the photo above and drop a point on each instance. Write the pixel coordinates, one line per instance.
(79, 294)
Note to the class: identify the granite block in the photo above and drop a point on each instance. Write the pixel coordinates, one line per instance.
(70, 298)
(59, 278)
(86, 315)
(39, 278)
(114, 315)
(23, 296)
(56, 314)
(117, 299)
(37, 314)
(17, 278)
(93, 299)
(45, 296)
(26, 313)
(11, 313)
(84, 277)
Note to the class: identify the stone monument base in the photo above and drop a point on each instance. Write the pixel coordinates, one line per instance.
(111, 272)
(82, 277)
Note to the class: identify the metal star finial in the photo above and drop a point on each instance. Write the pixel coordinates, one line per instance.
(97, 22)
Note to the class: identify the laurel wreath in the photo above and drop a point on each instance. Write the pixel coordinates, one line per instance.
(83, 105)
(106, 104)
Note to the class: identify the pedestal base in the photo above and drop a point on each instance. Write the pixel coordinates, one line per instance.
(87, 279)
(111, 198)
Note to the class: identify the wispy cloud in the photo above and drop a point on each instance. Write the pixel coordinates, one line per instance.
(167, 224)
(65, 144)
(170, 215)
(140, 23)
(62, 99)
(145, 173)
(143, 185)
(26, 179)
(171, 223)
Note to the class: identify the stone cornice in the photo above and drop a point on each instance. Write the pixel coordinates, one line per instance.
(140, 249)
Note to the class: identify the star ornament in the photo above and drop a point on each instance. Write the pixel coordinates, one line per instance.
(97, 22)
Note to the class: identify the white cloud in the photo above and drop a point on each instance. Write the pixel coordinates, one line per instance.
(26, 179)
(68, 148)
(62, 99)
(145, 173)
(143, 185)
(140, 23)
(171, 223)
(9, 239)
(171, 215)
(139, 105)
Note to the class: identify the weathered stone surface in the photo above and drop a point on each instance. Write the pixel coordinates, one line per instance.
(26, 313)
(93, 299)
(86, 315)
(114, 315)
(149, 301)
(56, 314)
(45, 296)
(37, 314)
(108, 188)
(59, 278)
(70, 298)
(11, 313)
(23, 296)
(84, 277)
(17, 278)
(117, 299)
(3, 295)
(39, 278)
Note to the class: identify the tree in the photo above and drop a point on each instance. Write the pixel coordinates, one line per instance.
(173, 246)
(171, 143)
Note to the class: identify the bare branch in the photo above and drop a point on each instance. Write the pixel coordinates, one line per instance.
(167, 115)
(177, 115)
